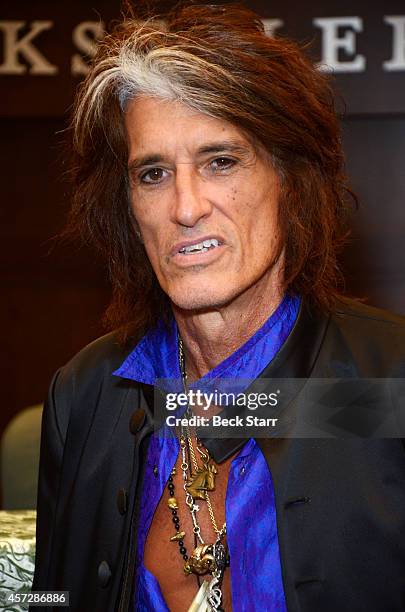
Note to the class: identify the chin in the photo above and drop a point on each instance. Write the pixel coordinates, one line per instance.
(200, 298)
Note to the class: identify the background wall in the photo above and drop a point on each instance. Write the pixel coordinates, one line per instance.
(53, 296)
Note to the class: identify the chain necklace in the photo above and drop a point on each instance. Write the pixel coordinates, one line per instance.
(205, 558)
(204, 479)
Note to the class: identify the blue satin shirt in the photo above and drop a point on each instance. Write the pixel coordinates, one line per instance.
(256, 579)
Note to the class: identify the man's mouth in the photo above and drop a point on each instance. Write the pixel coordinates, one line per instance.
(200, 247)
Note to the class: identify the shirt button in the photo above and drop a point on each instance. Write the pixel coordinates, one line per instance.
(122, 501)
(155, 471)
(242, 470)
(104, 574)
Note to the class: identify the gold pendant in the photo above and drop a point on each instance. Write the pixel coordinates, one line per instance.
(201, 561)
(172, 503)
(178, 536)
(202, 481)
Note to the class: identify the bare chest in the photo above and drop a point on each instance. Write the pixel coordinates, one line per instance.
(163, 557)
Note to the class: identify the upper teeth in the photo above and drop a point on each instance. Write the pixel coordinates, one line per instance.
(206, 244)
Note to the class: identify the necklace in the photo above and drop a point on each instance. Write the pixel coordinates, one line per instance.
(198, 480)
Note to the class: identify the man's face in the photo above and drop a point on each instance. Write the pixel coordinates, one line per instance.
(205, 200)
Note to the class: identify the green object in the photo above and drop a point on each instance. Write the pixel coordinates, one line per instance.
(19, 457)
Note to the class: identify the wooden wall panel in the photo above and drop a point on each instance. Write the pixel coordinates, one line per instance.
(52, 296)
(375, 259)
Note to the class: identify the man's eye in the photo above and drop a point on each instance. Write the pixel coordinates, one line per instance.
(152, 176)
(222, 163)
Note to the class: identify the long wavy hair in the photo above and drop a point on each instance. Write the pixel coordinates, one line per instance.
(219, 61)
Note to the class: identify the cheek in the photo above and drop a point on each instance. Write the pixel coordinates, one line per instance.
(138, 209)
(145, 220)
(261, 226)
(147, 232)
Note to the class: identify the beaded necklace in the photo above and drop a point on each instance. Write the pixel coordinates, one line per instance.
(198, 480)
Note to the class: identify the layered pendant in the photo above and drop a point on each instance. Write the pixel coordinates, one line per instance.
(209, 595)
(208, 598)
(201, 561)
(178, 536)
(200, 601)
(202, 481)
(214, 590)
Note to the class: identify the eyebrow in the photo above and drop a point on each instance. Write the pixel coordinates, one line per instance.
(227, 145)
(148, 160)
(230, 146)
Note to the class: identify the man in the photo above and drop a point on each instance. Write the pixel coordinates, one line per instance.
(209, 172)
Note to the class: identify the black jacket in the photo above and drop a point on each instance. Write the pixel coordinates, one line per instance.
(340, 502)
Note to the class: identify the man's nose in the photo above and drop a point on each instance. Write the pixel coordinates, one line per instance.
(190, 202)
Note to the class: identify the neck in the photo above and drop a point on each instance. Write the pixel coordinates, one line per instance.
(212, 335)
